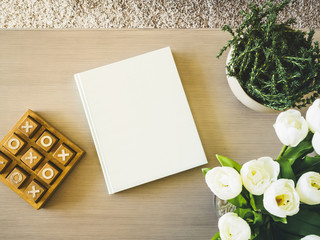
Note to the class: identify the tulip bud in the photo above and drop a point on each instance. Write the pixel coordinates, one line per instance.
(311, 237)
(281, 199)
(257, 175)
(308, 188)
(316, 142)
(231, 226)
(224, 182)
(291, 127)
(313, 116)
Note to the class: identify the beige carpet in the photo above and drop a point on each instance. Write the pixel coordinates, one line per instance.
(140, 14)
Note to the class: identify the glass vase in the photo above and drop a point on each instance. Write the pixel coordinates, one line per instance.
(222, 207)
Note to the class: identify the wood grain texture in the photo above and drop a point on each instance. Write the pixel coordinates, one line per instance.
(47, 157)
(36, 72)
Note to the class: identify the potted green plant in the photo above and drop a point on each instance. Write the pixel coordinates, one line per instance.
(275, 65)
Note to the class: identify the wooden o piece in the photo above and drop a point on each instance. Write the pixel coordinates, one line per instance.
(44, 173)
(43, 141)
(16, 145)
(14, 180)
(49, 173)
(47, 140)
(17, 177)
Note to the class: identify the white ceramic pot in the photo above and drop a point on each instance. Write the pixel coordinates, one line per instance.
(242, 96)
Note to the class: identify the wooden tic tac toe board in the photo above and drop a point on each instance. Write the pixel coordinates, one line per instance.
(35, 158)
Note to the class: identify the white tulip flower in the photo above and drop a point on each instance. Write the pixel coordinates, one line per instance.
(224, 182)
(233, 227)
(257, 175)
(316, 142)
(311, 237)
(313, 116)
(308, 188)
(281, 199)
(291, 127)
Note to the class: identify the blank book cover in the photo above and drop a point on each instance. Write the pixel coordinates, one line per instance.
(140, 120)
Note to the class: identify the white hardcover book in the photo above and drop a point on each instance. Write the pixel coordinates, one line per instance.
(140, 120)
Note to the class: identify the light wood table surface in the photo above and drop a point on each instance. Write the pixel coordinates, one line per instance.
(36, 72)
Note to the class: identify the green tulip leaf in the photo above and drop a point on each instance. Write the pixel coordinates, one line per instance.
(301, 150)
(264, 231)
(257, 202)
(278, 219)
(286, 170)
(253, 202)
(264, 235)
(307, 164)
(298, 227)
(305, 222)
(205, 170)
(227, 162)
(308, 214)
(216, 236)
(245, 213)
(283, 235)
(240, 201)
(259, 219)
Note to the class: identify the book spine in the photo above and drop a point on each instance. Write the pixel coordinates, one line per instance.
(93, 133)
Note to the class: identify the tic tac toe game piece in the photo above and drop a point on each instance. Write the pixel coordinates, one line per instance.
(48, 173)
(35, 158)
(29, 126)
(32, 158)
(17, 177)
(34, 191)
(46, 141)
(14, 144)
(4, 162)
(63, 154)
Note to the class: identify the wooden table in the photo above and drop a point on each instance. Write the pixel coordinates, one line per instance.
(36, 72)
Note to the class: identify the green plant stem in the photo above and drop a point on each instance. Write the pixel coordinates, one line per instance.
(284, 148)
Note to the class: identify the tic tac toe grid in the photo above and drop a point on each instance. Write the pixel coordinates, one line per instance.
(35, 158)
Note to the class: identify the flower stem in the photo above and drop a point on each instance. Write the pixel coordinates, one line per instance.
(284, 148)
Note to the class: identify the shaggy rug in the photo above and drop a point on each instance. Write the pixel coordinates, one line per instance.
(43, 14)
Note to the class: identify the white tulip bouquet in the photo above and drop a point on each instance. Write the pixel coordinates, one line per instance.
(274, 199)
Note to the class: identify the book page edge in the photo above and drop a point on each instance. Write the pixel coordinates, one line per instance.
(94, 136)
